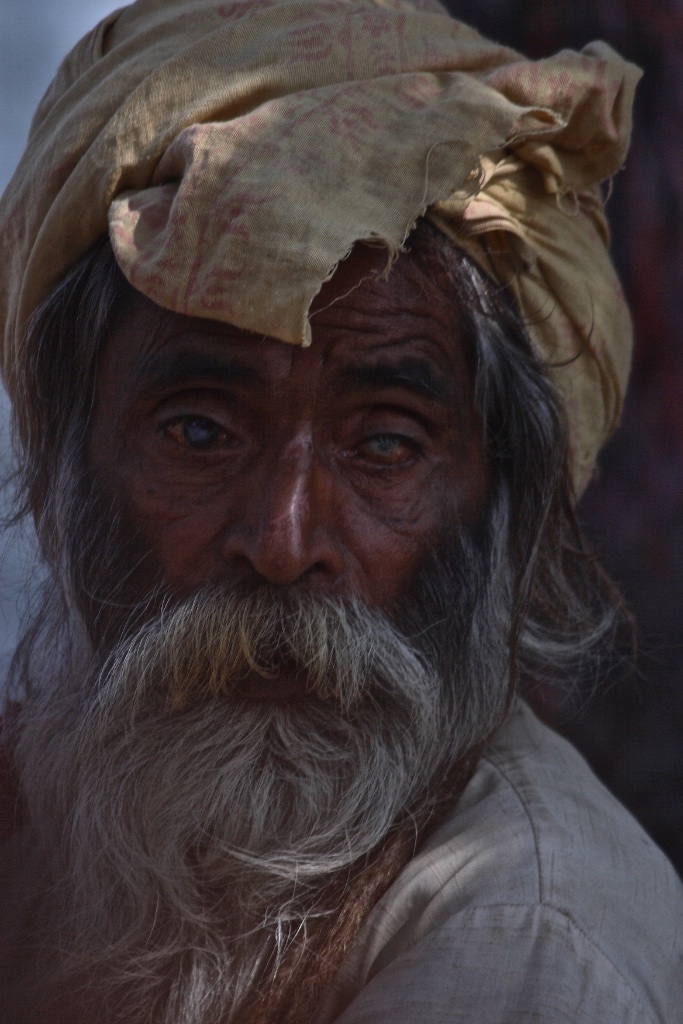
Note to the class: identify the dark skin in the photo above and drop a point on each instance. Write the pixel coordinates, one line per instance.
(243, 459)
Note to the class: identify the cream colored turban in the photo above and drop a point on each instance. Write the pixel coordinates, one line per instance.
(236, 151)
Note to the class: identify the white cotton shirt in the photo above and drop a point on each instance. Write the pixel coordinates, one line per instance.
(539, 900)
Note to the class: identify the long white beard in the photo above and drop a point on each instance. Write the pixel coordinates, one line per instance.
(197, 830)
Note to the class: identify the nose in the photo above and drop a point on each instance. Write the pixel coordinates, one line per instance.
(286, 533)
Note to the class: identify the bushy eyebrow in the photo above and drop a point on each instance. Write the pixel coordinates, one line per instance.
(414, 375)
(163, 371)
(418, 376)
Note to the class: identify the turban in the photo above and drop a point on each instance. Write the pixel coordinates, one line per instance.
(236, 151)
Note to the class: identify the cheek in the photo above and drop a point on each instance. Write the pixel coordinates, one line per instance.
(181, 524)
(454, 495)
(175, 518)
(388, 546)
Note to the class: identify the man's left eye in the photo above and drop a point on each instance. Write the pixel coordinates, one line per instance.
(197, 432)
(387, 449)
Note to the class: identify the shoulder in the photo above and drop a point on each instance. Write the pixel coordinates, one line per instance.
(538, 900)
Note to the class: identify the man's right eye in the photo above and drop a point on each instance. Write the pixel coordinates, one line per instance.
(197, 432)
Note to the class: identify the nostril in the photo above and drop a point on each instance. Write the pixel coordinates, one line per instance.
(250, 570)
(283, 554)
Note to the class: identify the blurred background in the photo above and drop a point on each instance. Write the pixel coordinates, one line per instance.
(631, 730)
(34, 36)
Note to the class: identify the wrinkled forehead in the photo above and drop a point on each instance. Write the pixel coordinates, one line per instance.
(370, 305)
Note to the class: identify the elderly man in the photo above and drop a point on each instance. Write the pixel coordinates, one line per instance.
(312, 338)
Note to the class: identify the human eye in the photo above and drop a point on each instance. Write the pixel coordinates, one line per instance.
(387, 450)
(198, 433)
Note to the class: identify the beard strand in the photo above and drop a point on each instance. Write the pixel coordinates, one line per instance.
(196, 837)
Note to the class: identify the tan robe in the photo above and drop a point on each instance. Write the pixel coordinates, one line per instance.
(538, 901)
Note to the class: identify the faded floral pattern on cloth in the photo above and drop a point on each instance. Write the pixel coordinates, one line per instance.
(236, 151)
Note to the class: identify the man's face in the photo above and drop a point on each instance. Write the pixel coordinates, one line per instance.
(333, 469)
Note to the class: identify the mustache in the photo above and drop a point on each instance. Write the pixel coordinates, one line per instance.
(217, 641)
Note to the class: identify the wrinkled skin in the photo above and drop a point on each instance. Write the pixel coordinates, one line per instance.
(243, 459)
